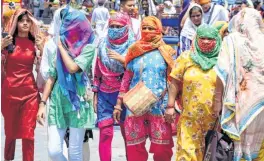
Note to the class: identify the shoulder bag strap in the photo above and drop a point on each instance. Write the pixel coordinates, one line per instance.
(141, 68)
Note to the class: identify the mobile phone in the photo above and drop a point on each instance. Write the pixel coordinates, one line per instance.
(9, 48)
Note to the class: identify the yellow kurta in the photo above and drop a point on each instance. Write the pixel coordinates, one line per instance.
(197, 99)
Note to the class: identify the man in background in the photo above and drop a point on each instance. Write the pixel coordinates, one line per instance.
(257, 5)
(100, 19)
(41, 8)
(213, 12)
(128, 7)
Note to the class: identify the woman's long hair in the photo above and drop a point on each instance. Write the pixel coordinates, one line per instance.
(30, 36)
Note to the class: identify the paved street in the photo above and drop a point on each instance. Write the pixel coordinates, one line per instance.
(41, 153)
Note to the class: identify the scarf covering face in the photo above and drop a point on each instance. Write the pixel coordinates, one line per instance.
(12, 24)
(206, 60)
(119, 35)
(221, 26)
(75, 32)
(119, 43)
(151, 40)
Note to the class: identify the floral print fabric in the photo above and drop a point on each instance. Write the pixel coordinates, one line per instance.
(197, 99)
(153, 75)
(152, 124)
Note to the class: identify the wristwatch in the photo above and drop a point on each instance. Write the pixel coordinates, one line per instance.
(44, 102)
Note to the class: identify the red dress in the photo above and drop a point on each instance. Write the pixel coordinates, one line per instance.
(20, 96)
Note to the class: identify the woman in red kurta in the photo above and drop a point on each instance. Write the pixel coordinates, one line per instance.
(20, 96)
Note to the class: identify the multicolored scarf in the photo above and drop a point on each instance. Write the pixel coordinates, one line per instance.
(75, 33)
(206, 60)
(118, 39)
(151, 40)
(119, 36)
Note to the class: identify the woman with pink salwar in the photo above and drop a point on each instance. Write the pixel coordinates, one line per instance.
(108, 75)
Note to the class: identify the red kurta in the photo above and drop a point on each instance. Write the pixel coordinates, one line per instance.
(20, 96)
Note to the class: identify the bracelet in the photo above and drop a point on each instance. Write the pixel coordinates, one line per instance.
(44, 102)
(119, 109)
(170, 106)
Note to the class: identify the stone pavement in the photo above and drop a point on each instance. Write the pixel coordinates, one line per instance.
(41, 154)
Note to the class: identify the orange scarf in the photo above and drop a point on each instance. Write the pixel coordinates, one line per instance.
(151, 40)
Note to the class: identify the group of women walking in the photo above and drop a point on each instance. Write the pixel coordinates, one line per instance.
(216, 79)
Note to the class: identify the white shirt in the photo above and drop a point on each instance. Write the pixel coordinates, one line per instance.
(136, 27)
(152, 8)
(100, 18)
(41, 4)
(100, 15)
(49, 49)
(219, 14)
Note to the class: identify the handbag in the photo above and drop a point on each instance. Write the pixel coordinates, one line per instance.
(140, 99)
(218, 146)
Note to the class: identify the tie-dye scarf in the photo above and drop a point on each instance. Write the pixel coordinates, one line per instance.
(118, 40)
(75, 33)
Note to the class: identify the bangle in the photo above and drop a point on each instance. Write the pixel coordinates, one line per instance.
(170, 106)
(119, 109)
(44, 102)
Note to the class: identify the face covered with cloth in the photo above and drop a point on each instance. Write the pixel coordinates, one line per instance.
(207, 46)
(151, 39)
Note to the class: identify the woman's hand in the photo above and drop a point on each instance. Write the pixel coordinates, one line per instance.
(243, 84)
(39, 42)
(217, 108)
(6, 41)
(217, 101)
(41, 116)
(117, 113)
(95, 102)
(173, 90)
(114, 55)
(59, 42)
(169, 115)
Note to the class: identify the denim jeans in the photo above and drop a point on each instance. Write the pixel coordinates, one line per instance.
(55, 144)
